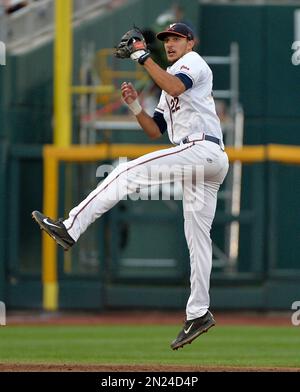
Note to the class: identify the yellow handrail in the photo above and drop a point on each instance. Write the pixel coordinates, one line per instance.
(107, 89)
(284, 153)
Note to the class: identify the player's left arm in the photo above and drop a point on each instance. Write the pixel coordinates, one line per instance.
(173, 85)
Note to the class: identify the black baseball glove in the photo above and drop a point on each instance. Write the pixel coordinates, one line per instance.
(133, 45)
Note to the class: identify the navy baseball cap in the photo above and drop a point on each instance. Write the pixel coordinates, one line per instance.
(179, 29)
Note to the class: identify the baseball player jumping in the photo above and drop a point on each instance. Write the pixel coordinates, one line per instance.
(186, 110)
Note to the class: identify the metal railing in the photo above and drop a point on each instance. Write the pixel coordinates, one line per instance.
(233, 134)
(34, 24)
(232, 93)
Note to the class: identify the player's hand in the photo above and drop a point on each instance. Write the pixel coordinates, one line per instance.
(130, 98)
(133, 45)
(128, 92)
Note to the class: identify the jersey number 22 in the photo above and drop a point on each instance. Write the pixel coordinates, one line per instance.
(175, 104)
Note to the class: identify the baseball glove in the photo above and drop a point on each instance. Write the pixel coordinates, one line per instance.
(133, 45)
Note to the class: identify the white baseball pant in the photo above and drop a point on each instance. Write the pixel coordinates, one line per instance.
(209, 162)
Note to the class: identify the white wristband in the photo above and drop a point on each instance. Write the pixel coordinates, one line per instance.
(136, 55)
(135, 107)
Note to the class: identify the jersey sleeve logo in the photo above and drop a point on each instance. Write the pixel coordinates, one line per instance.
(184, 67)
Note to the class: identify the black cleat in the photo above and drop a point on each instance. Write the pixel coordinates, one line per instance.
(192, 329)
(55, 229)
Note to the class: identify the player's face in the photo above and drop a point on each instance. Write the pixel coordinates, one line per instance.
(177, 47)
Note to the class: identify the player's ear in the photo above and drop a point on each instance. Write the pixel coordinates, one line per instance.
(191, 44)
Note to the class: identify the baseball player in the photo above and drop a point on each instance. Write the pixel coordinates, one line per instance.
(186, 111)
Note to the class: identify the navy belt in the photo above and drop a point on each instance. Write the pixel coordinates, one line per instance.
(206, 137)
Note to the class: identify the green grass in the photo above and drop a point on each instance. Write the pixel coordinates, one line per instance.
(123, 344)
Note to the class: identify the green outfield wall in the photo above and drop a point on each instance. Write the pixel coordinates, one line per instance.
(103, 272)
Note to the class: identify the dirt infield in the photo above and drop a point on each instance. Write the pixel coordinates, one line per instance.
(134, 368)
(142, 318)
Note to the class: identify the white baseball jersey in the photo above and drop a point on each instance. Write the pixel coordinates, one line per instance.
(193, 112)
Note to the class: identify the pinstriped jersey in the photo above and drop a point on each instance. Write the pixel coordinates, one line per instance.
(194, 110)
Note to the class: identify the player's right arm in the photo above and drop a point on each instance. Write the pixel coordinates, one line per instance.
(150, 125)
